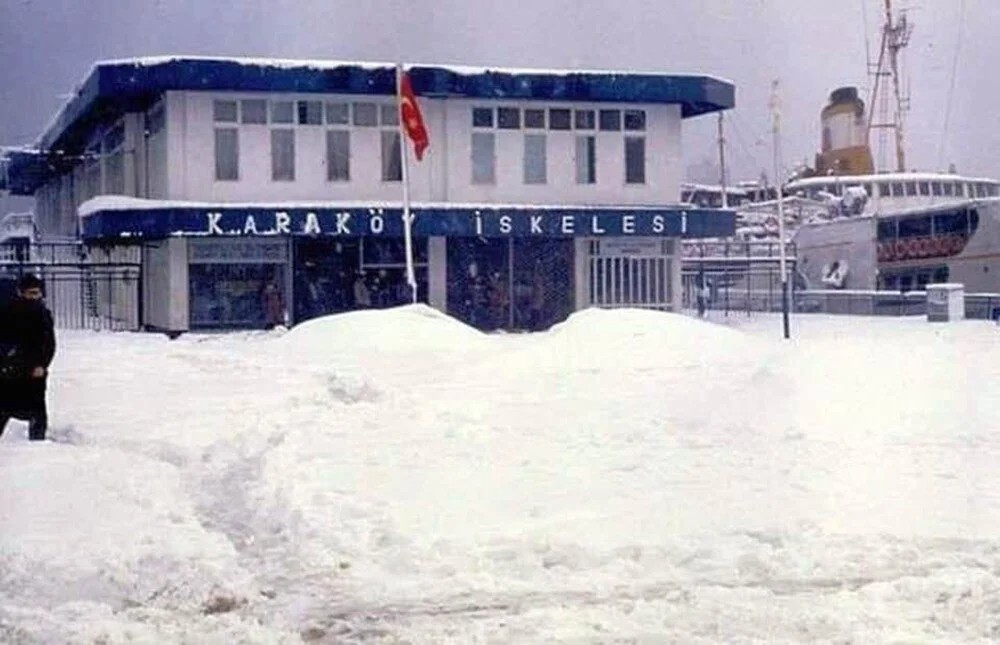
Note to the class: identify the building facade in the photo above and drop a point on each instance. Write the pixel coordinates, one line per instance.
(253, 185)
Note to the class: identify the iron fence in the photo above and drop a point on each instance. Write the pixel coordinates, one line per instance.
(85, 288)
(760, 291)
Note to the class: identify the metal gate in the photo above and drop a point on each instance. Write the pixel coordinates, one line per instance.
(629, 281)
(85, 288)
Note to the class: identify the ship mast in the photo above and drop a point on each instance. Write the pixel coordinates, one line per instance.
(895, 37)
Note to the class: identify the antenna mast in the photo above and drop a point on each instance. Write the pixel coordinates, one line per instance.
(895, 38)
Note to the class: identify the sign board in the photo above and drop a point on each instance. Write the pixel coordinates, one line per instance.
(238, 251)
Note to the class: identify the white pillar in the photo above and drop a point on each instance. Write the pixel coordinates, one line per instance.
(437, 273)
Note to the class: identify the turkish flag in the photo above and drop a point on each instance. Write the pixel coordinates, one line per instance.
(413, 121)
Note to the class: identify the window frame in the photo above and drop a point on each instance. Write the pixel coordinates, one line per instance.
(642, 141)
(275, 159)
(483, 135)
(222, 131)
(588, 176)
(531, 165)
(332, 157)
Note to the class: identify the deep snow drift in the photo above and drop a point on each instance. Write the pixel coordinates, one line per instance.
(395, 475)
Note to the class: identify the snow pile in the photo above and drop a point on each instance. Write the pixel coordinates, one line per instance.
(398, 476)
(412, 329)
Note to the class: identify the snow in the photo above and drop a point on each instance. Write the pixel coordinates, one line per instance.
(284, 63)
(626, 476)
(118, 203)
(468, 70)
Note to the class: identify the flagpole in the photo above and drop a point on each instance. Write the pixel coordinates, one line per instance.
(779, 182)
(411, 277)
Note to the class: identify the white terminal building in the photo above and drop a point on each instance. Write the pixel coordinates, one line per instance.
(541, 193)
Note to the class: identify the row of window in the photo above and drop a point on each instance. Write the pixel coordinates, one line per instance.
(914, 279)
(310, 112)
(962, 223)
(338, 155)
(370, 114)
(913, 189)
(483, 157)
(512, 118)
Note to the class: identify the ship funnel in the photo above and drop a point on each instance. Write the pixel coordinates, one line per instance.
(844, 149)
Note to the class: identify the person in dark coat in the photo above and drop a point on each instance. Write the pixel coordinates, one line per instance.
(27, 345)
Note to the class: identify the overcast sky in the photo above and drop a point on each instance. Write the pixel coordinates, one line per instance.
(812, 46)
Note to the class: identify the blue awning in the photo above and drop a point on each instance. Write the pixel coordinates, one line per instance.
(155, 222)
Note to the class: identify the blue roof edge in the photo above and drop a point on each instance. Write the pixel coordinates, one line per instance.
(462, 220)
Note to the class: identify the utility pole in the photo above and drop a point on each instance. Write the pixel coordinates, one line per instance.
(722, 163)
(776, 130)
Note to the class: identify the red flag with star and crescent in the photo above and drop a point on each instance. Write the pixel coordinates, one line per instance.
(413, 121)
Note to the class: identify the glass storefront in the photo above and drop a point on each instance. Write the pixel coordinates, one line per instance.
(333, 276)
(510, 283)
(237, 284)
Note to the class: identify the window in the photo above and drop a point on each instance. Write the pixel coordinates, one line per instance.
(92, 170)
(925, 189)
(253, 111)
(392, 160)
(914, 227)
(310, 113)
(956, 223)
(534, 118)
(911, 189)
(224, 111)
(483, 158)
(559, 119)
(635, 119)
(610, 120)
(897, 190)
(338, 113)
(886, 230)
(338, 155)
(365, 114)
(482, 117)
(508, 118)
(283, 155)
(114, 161)
(534, 159)
(948, 189)
(282, 112)
(586, 159)
(389, 115)
(227, 154)
(959, 189)
(635, 160)
(936, 188)
(584, 119)
(883, 190)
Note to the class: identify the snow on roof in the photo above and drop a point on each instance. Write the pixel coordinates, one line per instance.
(465, 70)
(285, 63)
(883, 178)
(120, 203)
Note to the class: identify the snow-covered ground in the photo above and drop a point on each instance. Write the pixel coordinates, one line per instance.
(627, 476)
